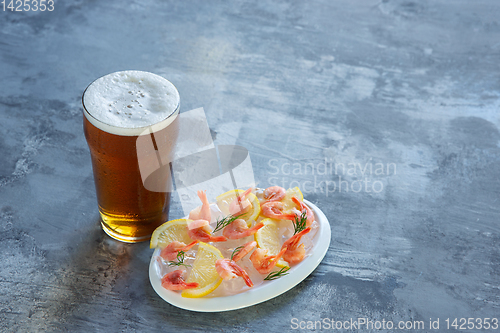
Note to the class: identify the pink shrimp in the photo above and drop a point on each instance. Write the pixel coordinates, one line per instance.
(274, 193)
(229, 269)
(174, 281)
(198, 224)
(245, 250)
(202, 212)
(274, 210)
(239, 229)
(241, 204)
(170, 251)
(264, 263)
(201, 230)
(303, 206)
(294, 252)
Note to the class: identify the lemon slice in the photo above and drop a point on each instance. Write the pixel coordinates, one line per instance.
(175, 230)
(204, 272)
(268, 238)
(225, 199)
(287, 200)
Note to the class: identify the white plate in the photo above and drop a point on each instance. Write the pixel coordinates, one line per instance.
(259, 294)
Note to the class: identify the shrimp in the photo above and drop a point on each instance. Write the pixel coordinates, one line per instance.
(197, 224)
(303, 206)
(264, 263)
(170, 251)
(241, 204)
(274, 209)
(245, 250)
(229, 269)
(294, 252)
(201, 230)
(202, 212)
(239, 229)
(174, 281)
(274, 193)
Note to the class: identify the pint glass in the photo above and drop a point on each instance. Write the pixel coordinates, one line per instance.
(131, 125)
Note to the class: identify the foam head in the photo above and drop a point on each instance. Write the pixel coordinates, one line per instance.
(126, 102)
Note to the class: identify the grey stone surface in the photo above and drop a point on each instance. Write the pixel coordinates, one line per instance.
(404, 94)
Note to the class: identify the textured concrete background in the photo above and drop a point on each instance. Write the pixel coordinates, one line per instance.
(404, 94)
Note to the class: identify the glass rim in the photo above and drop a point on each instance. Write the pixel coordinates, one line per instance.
(135, 129)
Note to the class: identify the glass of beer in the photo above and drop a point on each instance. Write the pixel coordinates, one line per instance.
(131, 126)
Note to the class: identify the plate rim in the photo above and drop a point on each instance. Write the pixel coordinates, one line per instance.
(261, 293)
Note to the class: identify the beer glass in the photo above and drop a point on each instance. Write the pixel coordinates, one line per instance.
(131, 126)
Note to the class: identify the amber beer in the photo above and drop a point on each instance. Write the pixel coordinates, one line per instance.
(131, 125)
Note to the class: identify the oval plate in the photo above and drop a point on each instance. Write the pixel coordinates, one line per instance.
(259, 294)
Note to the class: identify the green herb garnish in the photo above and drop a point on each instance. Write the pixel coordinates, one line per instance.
(300, 222)
(221, 224)
(180, 260)
(278, 274)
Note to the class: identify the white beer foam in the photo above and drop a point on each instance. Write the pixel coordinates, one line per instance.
(127, 102)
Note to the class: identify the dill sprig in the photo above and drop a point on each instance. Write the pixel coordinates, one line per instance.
(180, 260)
(277, 274)
(300, 223)
(236, 251)
(221, 224)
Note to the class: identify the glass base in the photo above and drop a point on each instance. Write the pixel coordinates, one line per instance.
(122, 238)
